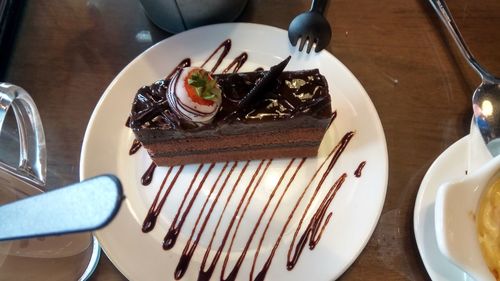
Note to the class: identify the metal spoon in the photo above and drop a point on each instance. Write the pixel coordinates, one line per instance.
(486, 97)
(311, 27)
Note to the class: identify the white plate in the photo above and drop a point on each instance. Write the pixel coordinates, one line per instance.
(356, 208)
(450, 165)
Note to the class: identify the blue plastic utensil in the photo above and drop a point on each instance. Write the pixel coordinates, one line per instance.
(83, 206)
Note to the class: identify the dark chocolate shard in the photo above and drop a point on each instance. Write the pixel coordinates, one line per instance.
(264, 83)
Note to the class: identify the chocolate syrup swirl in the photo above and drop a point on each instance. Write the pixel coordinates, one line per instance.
(147, 177)
(292, 178)
(311, 235)
(225, 46)
(205, 275)
(155, 209)
(184, 63)
(333, 155)
(190, 246)
(237, 63)
(234, 272)
(358, 171)
(174, 230)
(334, 116)
(316, 225)
(318, 217)
(135, 147)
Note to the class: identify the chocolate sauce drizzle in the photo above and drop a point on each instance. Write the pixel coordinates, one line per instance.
(190, 246)
(333, 157)
(315, 228)
(310, 235)
(335, 154)
(174, 230)
(315, 223)
(184, 63)
(292, 178)
(334, 115)
(155, 209)
(205, 275)
(135, 147)
(148, 175)
(232, 275)
(358, 171)
(237, 63)
(225, 46)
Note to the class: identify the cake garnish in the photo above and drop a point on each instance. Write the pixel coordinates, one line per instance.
(193, 95)
(204, 87)
(261, 85)
(266, 81)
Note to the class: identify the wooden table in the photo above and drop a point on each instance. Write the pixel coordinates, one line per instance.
(67, 52)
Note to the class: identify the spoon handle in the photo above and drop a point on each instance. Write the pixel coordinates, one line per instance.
(444, 14)
(318, 6)
(83, 206)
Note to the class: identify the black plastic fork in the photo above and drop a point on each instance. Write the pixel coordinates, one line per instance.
(311, 27)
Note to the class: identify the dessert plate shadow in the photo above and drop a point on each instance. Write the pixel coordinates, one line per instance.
(355, 208)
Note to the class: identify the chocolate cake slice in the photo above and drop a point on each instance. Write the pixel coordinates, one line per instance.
(286, 119)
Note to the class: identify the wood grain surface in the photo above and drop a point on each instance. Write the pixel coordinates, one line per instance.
(67, 52)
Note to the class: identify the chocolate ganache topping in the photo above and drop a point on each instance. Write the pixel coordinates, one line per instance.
(293, 94)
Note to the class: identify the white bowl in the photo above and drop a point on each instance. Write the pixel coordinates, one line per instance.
(455, 209)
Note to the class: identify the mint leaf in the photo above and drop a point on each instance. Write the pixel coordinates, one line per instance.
(205, 86)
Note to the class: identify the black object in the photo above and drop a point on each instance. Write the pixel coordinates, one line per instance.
(10, 14)
(265, 82)
(175, 16)
(312, 27)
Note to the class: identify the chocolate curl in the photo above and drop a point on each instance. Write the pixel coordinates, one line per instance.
(265, 82)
